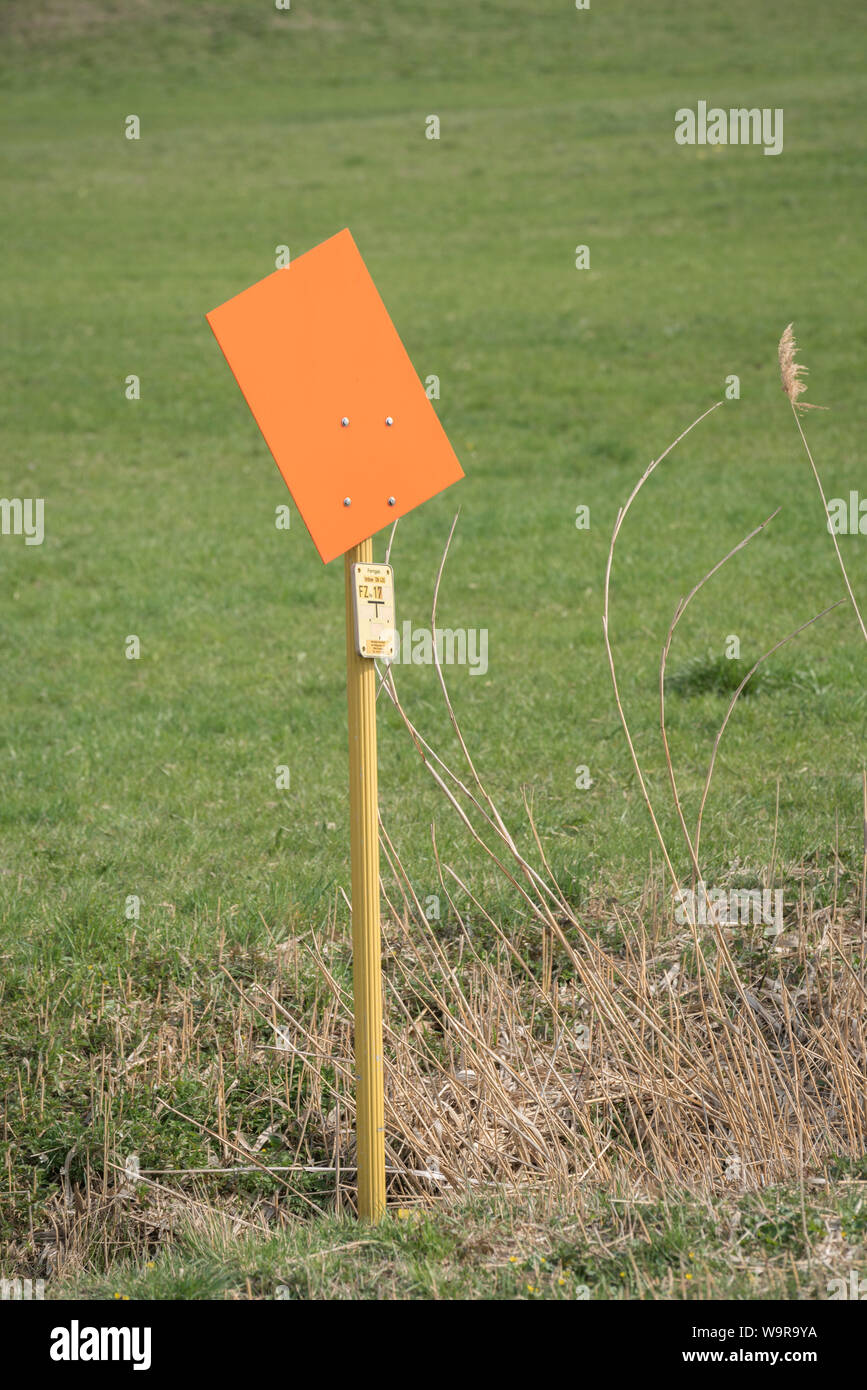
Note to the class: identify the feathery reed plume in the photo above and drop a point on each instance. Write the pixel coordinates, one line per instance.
(791, 373)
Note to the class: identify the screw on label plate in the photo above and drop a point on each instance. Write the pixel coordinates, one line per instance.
(347, 501)
(345, 421)
(388, 420)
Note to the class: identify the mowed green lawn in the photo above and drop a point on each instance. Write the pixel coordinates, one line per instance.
(156, 777)
(261, 128)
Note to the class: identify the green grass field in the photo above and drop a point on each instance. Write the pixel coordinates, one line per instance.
(156, 777)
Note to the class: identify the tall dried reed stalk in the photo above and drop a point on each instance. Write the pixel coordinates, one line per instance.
(791, 376)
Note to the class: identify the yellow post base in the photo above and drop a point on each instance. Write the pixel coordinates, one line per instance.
(366, 955)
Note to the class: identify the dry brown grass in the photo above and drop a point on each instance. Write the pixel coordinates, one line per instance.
(609, 1051)
(653, 1058)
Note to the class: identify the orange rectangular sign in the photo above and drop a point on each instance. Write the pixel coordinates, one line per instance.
(335, 395)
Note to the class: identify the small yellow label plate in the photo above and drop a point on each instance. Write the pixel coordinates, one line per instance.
(373, 601)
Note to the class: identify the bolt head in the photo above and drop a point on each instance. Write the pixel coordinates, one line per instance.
(347, 501)
(391, 501)
(345, 421)
(388, 420)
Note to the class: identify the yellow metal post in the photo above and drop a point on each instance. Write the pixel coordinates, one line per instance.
(366, 958)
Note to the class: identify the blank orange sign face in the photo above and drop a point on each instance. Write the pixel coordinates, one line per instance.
(335, 395)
